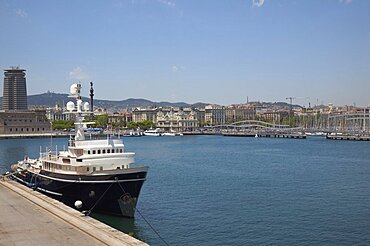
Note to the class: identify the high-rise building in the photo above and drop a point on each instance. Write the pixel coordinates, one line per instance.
(14, 90)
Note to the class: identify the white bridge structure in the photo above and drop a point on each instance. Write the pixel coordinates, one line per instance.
(253, 125)
(353, 122)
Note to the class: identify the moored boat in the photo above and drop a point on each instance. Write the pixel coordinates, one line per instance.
(93, 175)
(153, 132)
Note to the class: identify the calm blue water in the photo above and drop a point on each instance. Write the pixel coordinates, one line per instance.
(214, 190)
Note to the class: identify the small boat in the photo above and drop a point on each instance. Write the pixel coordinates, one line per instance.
(172, 134)
(91, 175)
(153, 132)
(132, 134)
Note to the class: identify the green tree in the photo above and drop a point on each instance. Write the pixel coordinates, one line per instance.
(101, 120)
(132, 125)
(62, 124)
(146, 124)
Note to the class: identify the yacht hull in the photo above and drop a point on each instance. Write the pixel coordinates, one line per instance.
(112, 193)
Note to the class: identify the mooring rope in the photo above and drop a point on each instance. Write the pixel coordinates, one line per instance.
(91, 209)
(6, 175)
(142, 216)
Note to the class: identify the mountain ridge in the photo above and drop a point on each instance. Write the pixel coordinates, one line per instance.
(50, 99)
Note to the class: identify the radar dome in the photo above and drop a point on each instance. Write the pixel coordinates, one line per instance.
(86, 106)
(70, 106)
(74, 89)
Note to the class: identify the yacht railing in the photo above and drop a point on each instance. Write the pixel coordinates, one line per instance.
(49, 156)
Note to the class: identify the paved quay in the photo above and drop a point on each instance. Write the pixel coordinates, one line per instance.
(28, 217)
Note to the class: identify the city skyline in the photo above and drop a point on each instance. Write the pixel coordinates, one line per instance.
(193, 51)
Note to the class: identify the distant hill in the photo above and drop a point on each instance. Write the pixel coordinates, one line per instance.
(50, 99)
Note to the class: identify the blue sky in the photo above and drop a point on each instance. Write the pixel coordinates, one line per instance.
(217, 51)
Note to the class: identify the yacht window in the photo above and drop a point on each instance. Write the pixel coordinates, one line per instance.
(108, 151)
(120, 150)
(123, 166)
(94, 169)
(98, 151)
(103, 151)
(79, 160)
(118, 168)
(94, 152)
(89, 152)
(112, 150)
(101, 168)
(87, 169)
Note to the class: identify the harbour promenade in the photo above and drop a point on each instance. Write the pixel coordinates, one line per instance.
(34, 135)
(28, 217)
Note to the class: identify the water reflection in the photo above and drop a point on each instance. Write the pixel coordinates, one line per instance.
(127, 225)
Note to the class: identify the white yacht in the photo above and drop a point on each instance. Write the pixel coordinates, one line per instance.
(95, 174)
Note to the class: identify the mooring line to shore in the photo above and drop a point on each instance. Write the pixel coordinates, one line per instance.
(142, 216)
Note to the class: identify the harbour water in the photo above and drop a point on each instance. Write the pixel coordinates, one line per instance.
(214, 190)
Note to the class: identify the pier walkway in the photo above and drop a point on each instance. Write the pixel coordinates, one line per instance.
(28, 217)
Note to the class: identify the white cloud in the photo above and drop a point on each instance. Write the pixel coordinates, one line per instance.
(346, 1)
(21, 13)
(258, 3)
(78, 74)
(178, 68)
(169, 3)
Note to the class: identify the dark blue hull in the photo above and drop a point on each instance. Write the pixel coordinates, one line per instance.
(115, 193)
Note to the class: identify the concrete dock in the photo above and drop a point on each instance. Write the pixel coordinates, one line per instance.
(265, 135)
(28, 217)
(348, 137)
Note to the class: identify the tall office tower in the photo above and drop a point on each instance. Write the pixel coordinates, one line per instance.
(14, 91)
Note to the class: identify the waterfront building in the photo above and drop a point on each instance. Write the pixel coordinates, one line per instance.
(273, 116)
(57, 113)
(142, 114)
(177, 119)
(14, 89)
(24, 122)
(200, 115)
(214, 114)
(15, 118)
(235, 113)
(119, 119)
